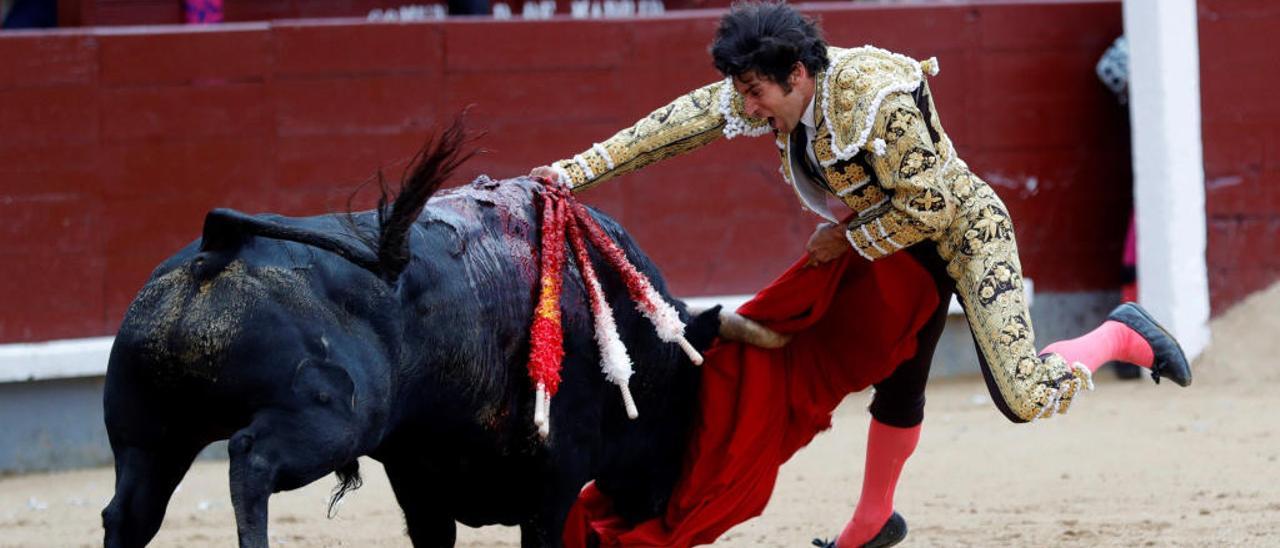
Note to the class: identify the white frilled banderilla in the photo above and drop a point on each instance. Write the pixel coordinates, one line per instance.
(563, 218)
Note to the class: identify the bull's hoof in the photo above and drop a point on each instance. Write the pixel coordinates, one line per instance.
(893, 532)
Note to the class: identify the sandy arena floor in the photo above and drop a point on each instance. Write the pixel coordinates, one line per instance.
(1134, 464)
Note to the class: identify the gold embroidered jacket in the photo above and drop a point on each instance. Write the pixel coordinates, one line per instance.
(879, 142)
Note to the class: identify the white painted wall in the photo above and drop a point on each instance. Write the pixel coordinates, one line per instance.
(1168, 167)
(54, 359)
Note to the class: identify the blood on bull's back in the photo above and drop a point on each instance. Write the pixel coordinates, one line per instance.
(468, 440)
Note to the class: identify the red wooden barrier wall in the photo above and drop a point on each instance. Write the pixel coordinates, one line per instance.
(114, 142)
(1241, 132)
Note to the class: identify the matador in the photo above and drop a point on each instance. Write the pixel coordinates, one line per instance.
(860, 124)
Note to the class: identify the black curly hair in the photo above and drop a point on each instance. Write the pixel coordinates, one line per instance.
(768, 38)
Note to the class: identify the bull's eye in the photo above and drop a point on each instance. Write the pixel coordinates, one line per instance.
(322, 397)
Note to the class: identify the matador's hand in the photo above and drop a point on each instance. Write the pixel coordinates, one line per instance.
(826, 244)
(547, 173)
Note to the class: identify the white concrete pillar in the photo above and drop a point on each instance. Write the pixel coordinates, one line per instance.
(1168, 167)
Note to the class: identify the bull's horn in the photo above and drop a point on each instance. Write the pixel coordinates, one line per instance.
(735, 327)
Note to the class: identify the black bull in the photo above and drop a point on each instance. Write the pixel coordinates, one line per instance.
(402, 334)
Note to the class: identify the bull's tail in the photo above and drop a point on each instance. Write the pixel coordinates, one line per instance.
(397, 211)
(386, 253)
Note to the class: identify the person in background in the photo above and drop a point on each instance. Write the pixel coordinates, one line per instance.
(198, 12)
(469, 7)
(29, 14)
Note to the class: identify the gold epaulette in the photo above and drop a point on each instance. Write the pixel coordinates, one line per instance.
(854, 87)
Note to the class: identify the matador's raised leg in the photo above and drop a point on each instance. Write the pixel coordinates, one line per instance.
(982, 257)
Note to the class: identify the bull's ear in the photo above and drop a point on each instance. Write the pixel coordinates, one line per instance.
(703, 328)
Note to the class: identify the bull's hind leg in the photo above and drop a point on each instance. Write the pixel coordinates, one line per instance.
(429, 524)
(145, 480)
(281, 451)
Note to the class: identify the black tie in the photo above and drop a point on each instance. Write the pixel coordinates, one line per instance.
(800, 147)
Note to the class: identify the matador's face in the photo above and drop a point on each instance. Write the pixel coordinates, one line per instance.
(766, 99)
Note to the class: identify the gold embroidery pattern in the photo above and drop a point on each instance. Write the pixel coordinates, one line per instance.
(593, 161)
(861, 243)
(576, 175)
(988, 279)
(962, 185)
(899, 122)
(908, 171)
(822, 145)
(918, 160)
(860, 78)
(976, 238)
(901, 229)
(845, 177)
(864, 199)
(689, 122)
(927, 201)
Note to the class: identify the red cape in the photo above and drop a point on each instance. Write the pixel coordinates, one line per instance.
(852, 322)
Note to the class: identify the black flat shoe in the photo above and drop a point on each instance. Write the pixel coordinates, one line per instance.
(1170, 362)
(1126, 371)
(892, 533)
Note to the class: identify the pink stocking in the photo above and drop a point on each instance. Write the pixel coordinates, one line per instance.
(1111, 341)
(888, 448)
